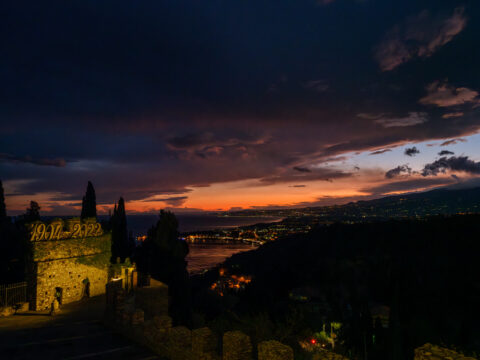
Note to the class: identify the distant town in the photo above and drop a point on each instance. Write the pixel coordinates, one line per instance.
(302, 220)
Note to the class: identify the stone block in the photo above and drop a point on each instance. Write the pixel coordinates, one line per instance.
(153, 299)
(203, 341)
(162, 321)
(161, 336)
(274, 350)
(434, 352)
(149, 331)
(328, 355)
(138, 317)
(179, 337)
(179, 343)
(236, 346)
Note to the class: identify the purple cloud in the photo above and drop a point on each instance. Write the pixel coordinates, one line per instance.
(58, 162)
(444, 95)
(302, 169)
(419, 36)
(413, 118)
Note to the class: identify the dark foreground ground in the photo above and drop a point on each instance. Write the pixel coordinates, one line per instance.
(76, 332)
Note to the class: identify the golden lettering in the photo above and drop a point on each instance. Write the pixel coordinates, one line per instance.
(55, 230)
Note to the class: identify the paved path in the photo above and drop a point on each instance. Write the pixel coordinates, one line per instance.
(76, 333)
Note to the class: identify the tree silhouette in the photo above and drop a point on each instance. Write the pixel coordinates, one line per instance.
(122, 246)
(3, 209)
(13, 243)
(89, 203)
(163, 256)
(33, 212)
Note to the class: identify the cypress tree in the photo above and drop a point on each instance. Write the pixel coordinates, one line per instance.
(89, 203)
(120, 238)
(33, 212)
(115, 245)
(3, 208)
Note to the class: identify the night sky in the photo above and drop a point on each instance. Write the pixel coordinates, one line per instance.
(236, 103)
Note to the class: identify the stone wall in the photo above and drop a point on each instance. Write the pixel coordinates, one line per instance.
(328, 355)
(67, 264)
(274, 350)
(433, 352)
(152, 299)
(153, 329)
(69, 276)
(236, 346)
(180, 343)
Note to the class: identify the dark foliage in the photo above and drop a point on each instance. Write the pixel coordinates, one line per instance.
(162, 255)
(89, 203)
(3, 209)
(425, 271)
(14, 243)
(122, 244)
(33, 212)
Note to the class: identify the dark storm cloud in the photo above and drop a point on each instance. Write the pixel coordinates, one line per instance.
(29, 160)
(407, 185)
(411, 151)
(420, 35)
(148, 97)
(325, 2)
(446, 152)
(302, 169)
(321, 174)
(172, 201)
(204, 140)
(317, 85)
(399, 170)
(454, 163)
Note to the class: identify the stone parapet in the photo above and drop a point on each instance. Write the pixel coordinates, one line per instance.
(433, 352)
(328, 355)
(152, 299)
(204, 342)
(236, 346)
(181, 343)
(274, 350)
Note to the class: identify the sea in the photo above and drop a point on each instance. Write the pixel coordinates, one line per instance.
(202, 256)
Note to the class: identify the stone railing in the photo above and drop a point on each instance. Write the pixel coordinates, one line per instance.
(328, 355)
(153, 328)
(433, 352)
